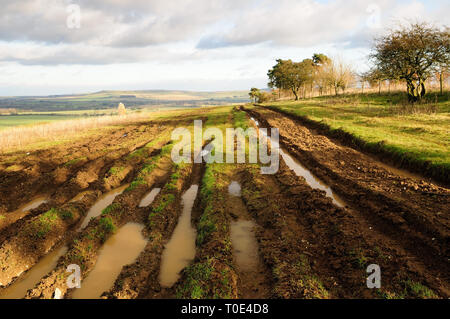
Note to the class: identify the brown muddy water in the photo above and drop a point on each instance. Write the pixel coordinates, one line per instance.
(312, 181)
(119, 250)
(35, 203)
(180, 250)
(302, 171)
(19, 289)
(104, 201)
(22, 211)
(241, 232)
(244, 244)
(150, 197)
(252, 273)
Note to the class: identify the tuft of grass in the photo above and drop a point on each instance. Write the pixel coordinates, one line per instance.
(164, 201)
(111, 208)
(199, 282)
(105, 227)
(115, 170)
(419, 290)
(44, 224)
(75, 161)
(358, 259)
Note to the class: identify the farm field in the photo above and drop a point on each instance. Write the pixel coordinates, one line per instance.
(310, 230)
(27, 120)
(132, 99)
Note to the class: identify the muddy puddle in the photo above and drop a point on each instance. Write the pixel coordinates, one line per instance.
(252, 273)
(104, 201)
(242, 235)
(244, 244)
(302, 171)
(121, 249)
(22, 211)
(312, 181)
(180, 250)
(35, 203)
(150, 197)
(19, 289)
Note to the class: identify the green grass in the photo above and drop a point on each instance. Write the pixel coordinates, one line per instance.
(21, 120)
(198, 276)
(47, 221)
(415, 136)
(419, 290)
(116, 170)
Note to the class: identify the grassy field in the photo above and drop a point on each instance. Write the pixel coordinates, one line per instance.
(21, 120)
(419, 134)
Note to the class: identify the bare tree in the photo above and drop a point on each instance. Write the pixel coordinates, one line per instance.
(338, 75)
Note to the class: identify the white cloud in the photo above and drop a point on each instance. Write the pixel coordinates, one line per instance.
(220, 39)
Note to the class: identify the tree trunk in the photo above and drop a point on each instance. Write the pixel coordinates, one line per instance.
(441, 82)
(295, 94)
(416, 91)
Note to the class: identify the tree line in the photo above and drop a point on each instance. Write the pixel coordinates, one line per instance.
(409, 55)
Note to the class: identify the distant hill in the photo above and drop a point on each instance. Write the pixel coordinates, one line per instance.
(131, 99)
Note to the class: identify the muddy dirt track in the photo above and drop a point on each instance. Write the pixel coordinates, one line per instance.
(277, 237)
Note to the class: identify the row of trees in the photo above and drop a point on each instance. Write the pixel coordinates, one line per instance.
(409, 54)
(319, 72)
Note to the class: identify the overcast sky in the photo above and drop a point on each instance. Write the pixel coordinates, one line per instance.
(46, 47)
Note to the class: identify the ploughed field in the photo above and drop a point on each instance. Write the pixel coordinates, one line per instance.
(140, 226)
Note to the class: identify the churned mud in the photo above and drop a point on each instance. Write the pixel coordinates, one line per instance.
(300, 170)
